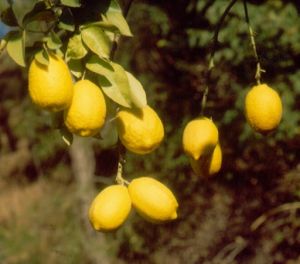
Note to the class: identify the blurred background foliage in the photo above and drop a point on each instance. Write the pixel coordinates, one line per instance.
(169, 53)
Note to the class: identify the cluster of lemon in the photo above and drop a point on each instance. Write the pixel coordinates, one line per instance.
(263, 110)
(140, 131)
(152, 200)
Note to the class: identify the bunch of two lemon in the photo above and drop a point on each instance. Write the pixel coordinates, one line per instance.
(140, 131)
(51, 88)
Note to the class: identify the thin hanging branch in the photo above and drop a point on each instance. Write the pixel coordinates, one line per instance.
(259, 70)
(215, 42)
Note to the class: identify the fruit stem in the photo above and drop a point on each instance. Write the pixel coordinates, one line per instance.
(214, 47)
(119, 178)
(259, 70)
(3, 43)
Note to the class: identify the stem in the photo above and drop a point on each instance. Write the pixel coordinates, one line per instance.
(3, 44)
(214, 47)
(259, 70)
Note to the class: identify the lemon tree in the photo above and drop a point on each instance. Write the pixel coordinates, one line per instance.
(69, 48)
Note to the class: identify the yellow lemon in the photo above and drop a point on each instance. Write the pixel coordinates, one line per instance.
(110, 208)
(200, 137)
(153, 200)
(140, 130)
(50, 87)
(86, 114)
(263, 108)
(208, 165)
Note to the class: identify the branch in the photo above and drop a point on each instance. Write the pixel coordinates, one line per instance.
(259, 70)
(212, 53)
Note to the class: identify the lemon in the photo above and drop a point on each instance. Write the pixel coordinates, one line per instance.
(140, 130)
(86, 114)
(200, 137)
(263, 108)
(110, 208)
(208, 165)
(50, 87)
(153, 200)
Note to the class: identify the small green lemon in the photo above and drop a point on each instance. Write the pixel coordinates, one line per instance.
(200, 137)
(208, 165)
(110, 208)
(50, 87)
(140, 130)
(153, 200)
(86, 114)
(263, 108)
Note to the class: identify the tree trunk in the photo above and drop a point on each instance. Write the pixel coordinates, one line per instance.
(83, 165)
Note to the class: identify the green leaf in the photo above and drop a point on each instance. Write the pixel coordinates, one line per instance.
(42, 57)
(39, 13)
(53, 41)
(71, 3)
(96, 40)
(16, 46)
(8, 17)
(137, 92)
(76, 67)
(76, 49)
(66, 135)
(21, 8)
(113, 80)
(66, 20)
(115, 17)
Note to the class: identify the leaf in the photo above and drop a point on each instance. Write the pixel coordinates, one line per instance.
(42, 57)
(66, 20)
(114, 16)
(96, 40)
(16, 46)
(137, 92)
(53, 41)
(40, 12)
(8, 17)
(113, 80)
(76, 49)
(21, 8)
(71, 3)
(66, 135)
(76, 67)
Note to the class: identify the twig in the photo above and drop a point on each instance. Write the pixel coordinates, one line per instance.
(284, 207)
(259, 70)
(214, 47)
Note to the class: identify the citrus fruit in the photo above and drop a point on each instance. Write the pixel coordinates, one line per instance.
(50, 87)
(200, 137)
(208, 165)
(110, 208)
(153, 200)
(86, 114)
(140, 130)
(263, 108)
